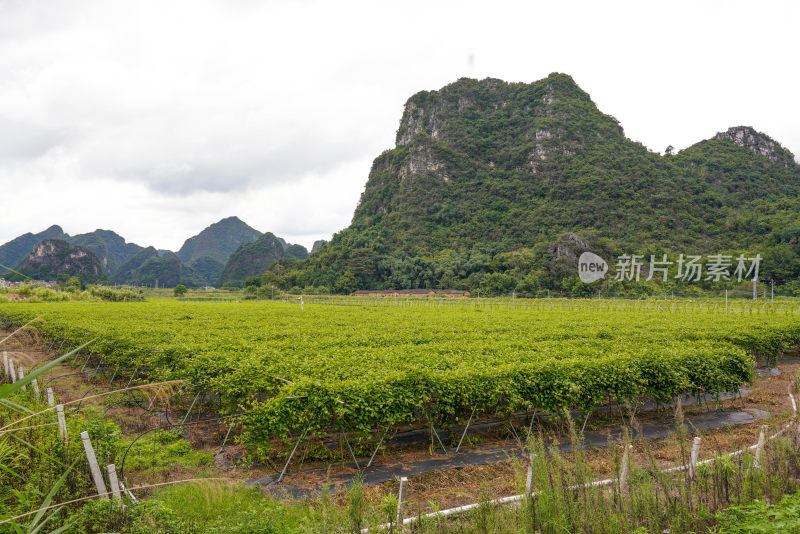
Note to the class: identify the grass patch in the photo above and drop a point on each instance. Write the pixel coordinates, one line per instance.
(217, 507)
(161, 451)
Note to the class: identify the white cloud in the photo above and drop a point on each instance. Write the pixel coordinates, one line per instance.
(155, 119)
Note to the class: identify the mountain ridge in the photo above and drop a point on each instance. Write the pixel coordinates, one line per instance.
(485, 171)
(124, 262)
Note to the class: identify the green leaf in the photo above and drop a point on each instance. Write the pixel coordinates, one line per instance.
(33, 528)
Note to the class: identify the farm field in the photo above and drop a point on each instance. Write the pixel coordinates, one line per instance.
(327, 367)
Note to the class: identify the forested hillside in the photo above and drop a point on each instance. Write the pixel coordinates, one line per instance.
(498, 186)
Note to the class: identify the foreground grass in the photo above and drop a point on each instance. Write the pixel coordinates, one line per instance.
(761, 517)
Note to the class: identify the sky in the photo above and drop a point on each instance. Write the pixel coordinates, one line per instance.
(157, 118)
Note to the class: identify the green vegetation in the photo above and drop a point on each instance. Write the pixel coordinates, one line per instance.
(71, 290)
(52, 258)
(161, 452)
(15, 251)
(352, 367)
(109, 249)
(104, 255)
(109, 246)
(365, 367)
(490, 182)
(208, 251)
(252, 259)
(761, 517)
(218, 241)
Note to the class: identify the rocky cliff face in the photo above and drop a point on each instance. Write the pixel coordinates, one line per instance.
(480, 146)
(16, 250)
(762, 144)
(110, 247)
(52, 257)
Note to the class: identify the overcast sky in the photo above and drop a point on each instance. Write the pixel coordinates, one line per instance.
(155, 119)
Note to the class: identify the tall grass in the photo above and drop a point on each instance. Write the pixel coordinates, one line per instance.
(651, 501)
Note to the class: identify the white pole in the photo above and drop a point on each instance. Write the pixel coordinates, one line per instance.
(51, 401)
(762, 439)
(21, 376)
(13, 371)
(401, 497)
(97, 476)
(36, 391)
(62, 423)
(529, 478)
(625, 468)
(694, 456)
(5, 362)
(113, 482)
(726, 302)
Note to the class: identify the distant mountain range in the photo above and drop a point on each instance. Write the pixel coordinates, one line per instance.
(497, 187)
(229, 246)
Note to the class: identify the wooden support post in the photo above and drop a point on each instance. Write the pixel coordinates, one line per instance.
(113, 482)
(401, 498)
(762, 439)
(624, 472)
(693, 457)
(97, 476)
(51, 401)
(62, 423)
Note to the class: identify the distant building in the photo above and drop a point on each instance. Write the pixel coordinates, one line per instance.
(411, 293)
(37, 283)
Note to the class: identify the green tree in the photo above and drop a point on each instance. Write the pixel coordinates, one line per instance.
(180, 290)
(345, 283)
(74, 284)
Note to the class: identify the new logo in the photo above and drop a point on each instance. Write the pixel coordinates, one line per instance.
(591, 267)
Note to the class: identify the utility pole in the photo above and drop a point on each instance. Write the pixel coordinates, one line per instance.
(772, 282)
(755, 289)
